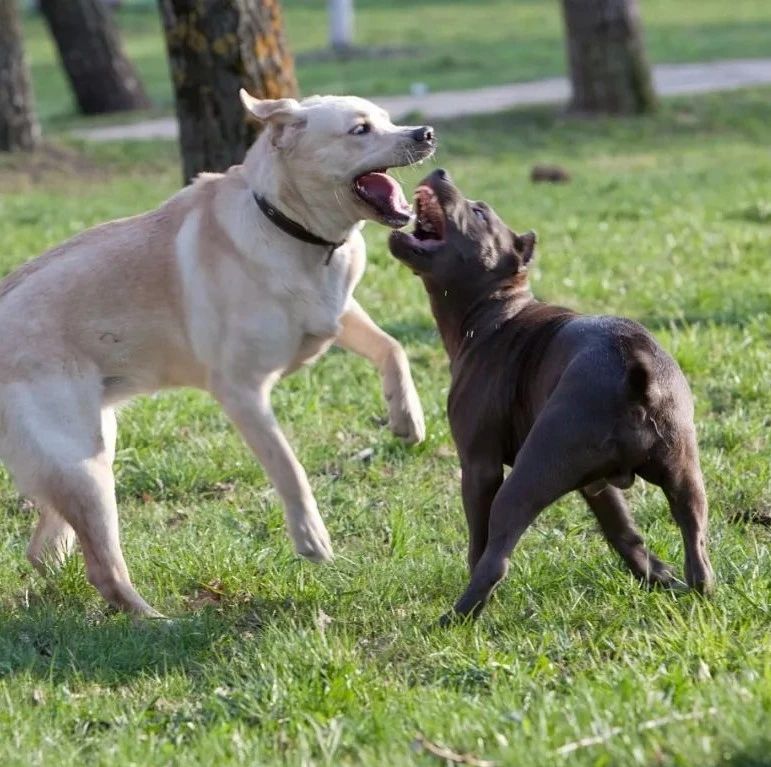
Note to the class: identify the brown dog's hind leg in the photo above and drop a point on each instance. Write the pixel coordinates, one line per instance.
(688, 504)
(615, 520)
(552, 462)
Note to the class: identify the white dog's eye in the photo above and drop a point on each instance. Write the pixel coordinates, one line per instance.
(360, 129)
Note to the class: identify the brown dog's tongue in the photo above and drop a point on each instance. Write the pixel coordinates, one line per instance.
(384, 192)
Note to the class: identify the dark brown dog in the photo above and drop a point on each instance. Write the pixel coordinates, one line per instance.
(570, 402)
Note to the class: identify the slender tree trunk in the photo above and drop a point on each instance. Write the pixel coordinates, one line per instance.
(102, 77)
(18, 125)
(216, 47)
(608, 68)
(340, 25)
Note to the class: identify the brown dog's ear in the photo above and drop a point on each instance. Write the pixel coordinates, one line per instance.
(524, 246)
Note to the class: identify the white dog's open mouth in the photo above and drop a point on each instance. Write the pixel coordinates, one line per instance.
(384, 195)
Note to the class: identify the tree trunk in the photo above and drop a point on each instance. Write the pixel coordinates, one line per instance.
(340, 25)
(216, 47)
(18, 125)
(608, 68)
(103, 79)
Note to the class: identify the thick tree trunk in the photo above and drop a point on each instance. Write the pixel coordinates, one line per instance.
(18, 126)
(216, 47)
(608, 68)
(103, 79)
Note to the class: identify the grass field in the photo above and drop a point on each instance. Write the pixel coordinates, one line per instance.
(270, 660)
(455, 44)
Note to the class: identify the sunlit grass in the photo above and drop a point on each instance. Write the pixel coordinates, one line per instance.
(284, 662)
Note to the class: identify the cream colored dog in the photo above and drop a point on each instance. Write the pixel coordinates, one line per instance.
(205, 291)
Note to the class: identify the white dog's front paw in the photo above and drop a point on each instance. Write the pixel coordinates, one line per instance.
(310, 537)
(405, 418)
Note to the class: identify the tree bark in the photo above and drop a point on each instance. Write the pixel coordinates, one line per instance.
(102, 77)
(216, 47)
(609, 71)
(18, 124)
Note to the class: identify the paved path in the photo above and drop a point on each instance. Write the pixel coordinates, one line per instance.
(670, 79)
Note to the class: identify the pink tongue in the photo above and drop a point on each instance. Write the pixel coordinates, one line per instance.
(384, 192)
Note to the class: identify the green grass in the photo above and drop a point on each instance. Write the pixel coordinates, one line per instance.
(448, 44)
(666, 220)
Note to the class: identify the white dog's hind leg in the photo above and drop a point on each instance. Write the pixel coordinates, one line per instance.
(109, 433)
(362, 336)
(86, 497)
(251, 412)
(51, 542)
(58, 454)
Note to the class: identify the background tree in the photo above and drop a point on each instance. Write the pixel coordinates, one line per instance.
(102, 77)
(18, 125)
(216, 47)
(608, 68)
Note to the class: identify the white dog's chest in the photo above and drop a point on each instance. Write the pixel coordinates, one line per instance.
(320, 307)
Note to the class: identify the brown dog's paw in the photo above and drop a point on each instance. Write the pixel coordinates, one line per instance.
(448, 619)
(701, 580)
(705, 588)
(659, 575)
(455, 618)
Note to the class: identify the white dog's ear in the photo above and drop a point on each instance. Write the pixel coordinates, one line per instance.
(276, 111)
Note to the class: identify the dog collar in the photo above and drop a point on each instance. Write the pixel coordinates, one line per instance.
(292, 228)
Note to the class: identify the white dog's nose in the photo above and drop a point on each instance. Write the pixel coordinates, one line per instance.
(423, 134)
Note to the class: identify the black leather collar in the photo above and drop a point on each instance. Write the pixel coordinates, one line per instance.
(292, 228)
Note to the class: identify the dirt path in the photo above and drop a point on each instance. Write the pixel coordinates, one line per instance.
(670, 79)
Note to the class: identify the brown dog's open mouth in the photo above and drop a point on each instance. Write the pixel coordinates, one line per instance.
(430, 222)
(384, 195)
(429, 216)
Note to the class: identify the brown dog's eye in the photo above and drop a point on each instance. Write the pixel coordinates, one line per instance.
(480, 214)
(360, 129)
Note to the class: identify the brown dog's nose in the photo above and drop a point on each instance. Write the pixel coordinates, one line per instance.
(423, 134)
(442, 174)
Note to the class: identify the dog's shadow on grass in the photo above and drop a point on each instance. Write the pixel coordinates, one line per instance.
(757, 755)
(49, 643)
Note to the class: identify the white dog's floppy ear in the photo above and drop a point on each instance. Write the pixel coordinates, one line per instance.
(277, 111)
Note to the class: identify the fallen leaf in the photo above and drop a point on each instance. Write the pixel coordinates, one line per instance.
(210, 593)
(176, 519)
(364, 455)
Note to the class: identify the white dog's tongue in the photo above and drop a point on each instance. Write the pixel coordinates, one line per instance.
(384, 193)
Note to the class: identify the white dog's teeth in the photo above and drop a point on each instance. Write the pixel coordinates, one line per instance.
(420, 162)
